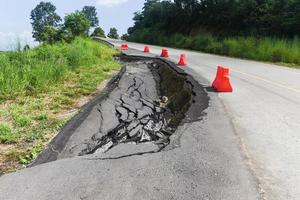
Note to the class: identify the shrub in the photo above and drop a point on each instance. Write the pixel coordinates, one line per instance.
(22, 120)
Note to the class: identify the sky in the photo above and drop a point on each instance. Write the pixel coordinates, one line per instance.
(15, 17)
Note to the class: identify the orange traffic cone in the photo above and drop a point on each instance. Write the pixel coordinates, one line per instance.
(182, 60)
(164, 53)
(222, 81)
(124, 46)
(146, 49)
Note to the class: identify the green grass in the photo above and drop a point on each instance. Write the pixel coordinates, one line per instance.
(34, 71)
(40, 90)
(276, 50)
(6, 135)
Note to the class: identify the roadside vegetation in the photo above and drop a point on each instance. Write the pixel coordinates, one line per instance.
(113, 33)
(284, 51)
(43, 87)
(259, 30)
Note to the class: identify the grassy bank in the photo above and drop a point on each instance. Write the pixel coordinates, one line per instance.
(41, 89)
(262, 49)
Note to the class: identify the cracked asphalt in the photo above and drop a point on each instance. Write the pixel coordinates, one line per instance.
(154, 133)
(131, 114)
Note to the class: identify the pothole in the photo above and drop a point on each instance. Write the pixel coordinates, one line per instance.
(143, 118)
(137, 113)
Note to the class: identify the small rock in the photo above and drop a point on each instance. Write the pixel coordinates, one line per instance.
(145, 136)
(145, 120)
(105, 147)
(146, 111)
(123, 112)
(133, 124)
(147, 103)
(131, 108)
(150, 125)
(158, 126)
(135, 131)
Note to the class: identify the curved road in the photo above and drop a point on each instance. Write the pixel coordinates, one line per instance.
(246, 147)
(265, 112)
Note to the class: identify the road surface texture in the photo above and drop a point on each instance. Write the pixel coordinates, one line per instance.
(264, 111)
(245, 145)
(149, 135)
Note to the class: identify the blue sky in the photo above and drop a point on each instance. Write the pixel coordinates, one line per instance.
(15, 16)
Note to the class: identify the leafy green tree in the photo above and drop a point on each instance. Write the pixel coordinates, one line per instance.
(50, 34)
(125, 37)
(91, 14)
(113, 33)
(98, 32)
(220, 18)
(42, 16)
(291, 23)
(77, 24)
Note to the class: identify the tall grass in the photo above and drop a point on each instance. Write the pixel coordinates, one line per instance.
(41, 88)
(263, 49)
(33, 71)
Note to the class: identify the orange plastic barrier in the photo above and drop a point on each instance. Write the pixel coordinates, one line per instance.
(146, 49)
(182, 60)
(164, 53)
(124, 46)
(222, 80)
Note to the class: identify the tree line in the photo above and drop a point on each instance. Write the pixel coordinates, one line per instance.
(280, 18)
(49, 27)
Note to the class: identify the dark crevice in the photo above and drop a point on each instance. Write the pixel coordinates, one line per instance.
(126, 156)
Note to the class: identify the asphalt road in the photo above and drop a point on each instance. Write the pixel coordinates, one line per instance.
(245, 147)
(264, 110)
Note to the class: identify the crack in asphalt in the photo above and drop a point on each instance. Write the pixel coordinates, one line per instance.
(140, 121)
(126, 156)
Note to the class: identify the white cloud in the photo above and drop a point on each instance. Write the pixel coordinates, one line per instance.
(110, 2)
(9, 40)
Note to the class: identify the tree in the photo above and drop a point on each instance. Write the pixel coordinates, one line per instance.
(77, 24)
(291, 23)
(98, 32)
(125, 36)
(113, 33)
(50, 34)
(43, 15)
(219, 18)
(91, 14)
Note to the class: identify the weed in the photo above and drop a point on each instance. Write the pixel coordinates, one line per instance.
(6, 135)
(42, 117)
(31, 154)
(22, 121)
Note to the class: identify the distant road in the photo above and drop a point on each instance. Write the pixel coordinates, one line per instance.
(264, 110)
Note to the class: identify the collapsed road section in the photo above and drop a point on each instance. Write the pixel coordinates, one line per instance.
(139, 114)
